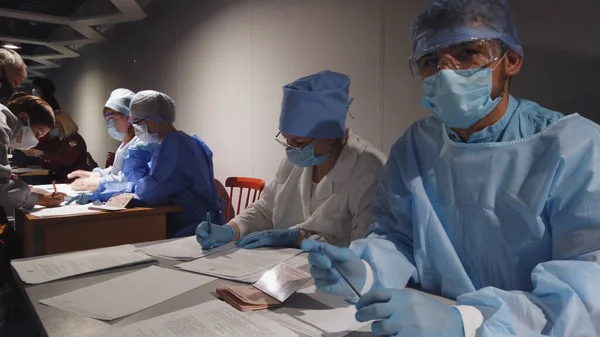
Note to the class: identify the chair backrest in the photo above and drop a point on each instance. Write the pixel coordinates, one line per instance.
(253, 185)
(223, 195)
(110, 159)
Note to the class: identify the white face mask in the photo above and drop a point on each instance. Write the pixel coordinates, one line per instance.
(141, 131)
(25, 138)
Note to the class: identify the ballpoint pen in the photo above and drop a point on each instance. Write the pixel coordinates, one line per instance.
(54, 185)
(346, 280)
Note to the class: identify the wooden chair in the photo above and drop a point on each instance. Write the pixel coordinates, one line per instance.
(254, 187)
(110, 158)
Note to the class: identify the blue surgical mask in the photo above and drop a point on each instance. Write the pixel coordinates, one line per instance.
(460, 98)
(305, 157)
(141, 131)
(55, 133)
(113, 132)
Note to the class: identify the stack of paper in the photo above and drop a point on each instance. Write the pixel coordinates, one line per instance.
(246, 298)
(128, 294)
(242, 265)
(186, 249)
(73, 209)
(214, 319)
(45, 269)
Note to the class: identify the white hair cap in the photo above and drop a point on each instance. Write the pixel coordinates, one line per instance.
(153, 105)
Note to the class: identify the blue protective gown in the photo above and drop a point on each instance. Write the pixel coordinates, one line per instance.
(180, 173)
(509, 225)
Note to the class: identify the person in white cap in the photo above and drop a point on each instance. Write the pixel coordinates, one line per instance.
(116, 112)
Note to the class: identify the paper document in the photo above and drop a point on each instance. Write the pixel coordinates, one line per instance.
(240, 264)
(65, 210)
(45, 269)
(185, 249)
(316, 314)
(128, 294)
(210, 319)
(282, 281)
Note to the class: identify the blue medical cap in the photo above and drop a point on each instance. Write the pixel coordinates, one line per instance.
(448, 22)
(316, 106)
(119, 101)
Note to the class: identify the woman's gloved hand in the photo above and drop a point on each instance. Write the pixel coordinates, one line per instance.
(86, 184)
(82, 174)
(271, 238)
(211, 236)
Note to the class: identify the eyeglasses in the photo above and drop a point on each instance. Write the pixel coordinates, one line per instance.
(135, 121)
(467, 55)
(283, 142)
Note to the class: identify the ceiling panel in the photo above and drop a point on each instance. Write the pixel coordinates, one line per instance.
(50, 7)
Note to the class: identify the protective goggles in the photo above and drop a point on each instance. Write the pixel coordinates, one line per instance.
(466, 55)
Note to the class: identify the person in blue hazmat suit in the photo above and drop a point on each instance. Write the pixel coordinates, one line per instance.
(492, 201)
(116, 112)
(323, 188)
(181, 169)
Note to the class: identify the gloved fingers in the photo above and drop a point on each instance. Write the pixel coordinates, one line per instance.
(310, 245)
(387, 327)
(78, 174)
(327, 275)
(202, 230)
(374, 296)
(250, 238)
(320, 261)
(377, 311)
(338, 254)
(327, 286)
(207, 243)
(256, 244)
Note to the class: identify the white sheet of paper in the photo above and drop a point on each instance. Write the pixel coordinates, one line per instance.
(332, 316)
(210, 319)
(128, 294)
(45, 269)
(73, 209)
(185, 249)
(238, 264)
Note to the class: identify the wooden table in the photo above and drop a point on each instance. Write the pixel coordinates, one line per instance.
(30, 171)
(52, 235)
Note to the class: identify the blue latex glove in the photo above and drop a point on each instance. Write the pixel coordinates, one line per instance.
(81, 199)
(326, 264)
(211, 236)
(407, 313)
(270, 238)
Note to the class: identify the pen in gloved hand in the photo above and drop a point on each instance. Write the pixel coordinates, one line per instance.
(346, 280)
(54, 185)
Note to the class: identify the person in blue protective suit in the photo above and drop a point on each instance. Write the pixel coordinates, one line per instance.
(132, 149)
(181, 169)
(323, 188)
(492, 202)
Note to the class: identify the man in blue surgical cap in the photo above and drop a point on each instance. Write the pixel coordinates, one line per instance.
(324, 188)
(493, 201)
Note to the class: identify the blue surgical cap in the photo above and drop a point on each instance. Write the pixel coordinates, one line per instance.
(119, 101)
(448, 22)
(154, 106)
(316, 106)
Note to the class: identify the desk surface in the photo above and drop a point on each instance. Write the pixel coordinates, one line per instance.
(54, 322)
(30, 171)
